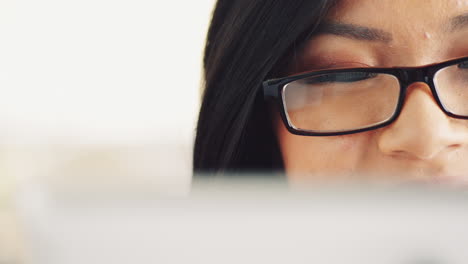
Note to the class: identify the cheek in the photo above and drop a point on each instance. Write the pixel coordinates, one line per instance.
(303, 154)
(348, 142)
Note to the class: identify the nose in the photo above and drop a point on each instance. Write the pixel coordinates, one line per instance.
(422, 131)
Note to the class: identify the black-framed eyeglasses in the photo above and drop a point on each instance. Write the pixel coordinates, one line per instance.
(346, 101)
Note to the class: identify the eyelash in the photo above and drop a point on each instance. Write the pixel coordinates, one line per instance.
(342, 77)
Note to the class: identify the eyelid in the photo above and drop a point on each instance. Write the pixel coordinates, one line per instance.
(345, 64)
(332, 66)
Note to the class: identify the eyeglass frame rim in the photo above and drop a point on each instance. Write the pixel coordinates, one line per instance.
(273, 91)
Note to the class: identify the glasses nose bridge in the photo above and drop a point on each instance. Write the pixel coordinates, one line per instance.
(412, 75)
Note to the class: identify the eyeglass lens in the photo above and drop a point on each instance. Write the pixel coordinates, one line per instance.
(344, 101)
(451, 84)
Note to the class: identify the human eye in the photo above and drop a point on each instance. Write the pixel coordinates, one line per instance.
(463, 65)
(341, 77)
(462, 70)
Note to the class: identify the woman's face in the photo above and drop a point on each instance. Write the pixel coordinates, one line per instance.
(423, 143)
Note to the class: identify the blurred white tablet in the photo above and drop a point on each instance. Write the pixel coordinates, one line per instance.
(244, 223)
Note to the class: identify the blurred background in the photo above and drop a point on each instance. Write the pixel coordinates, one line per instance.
(98, 106)
(96, 91)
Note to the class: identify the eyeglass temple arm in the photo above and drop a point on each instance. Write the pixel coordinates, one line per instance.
(270, 89)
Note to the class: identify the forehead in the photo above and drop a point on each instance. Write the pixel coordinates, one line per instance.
(395, 15)
(419, 31)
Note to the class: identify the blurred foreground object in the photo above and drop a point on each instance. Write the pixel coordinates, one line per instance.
(243, 222)
(11, 244)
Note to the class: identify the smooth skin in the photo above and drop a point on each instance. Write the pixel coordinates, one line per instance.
(423, 144)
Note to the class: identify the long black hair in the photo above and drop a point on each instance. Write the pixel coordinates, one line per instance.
(248, 41)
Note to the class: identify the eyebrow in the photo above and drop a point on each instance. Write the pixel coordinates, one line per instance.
(356, 32)
(459, 22)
